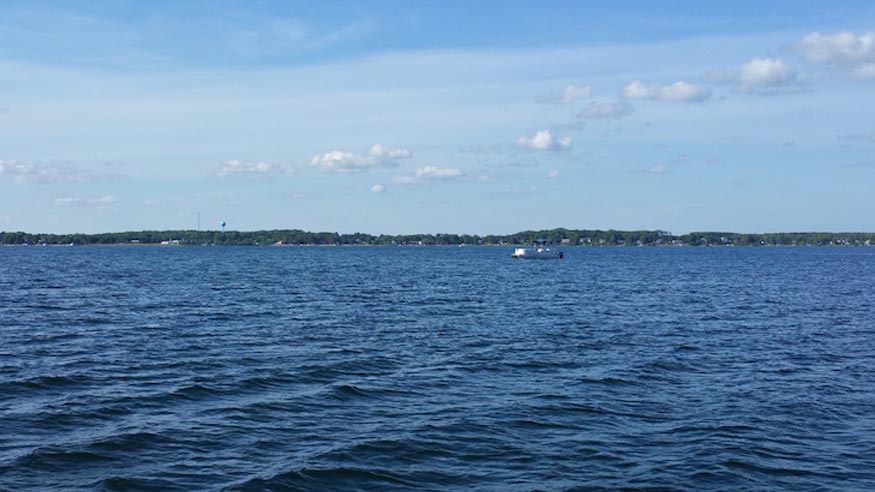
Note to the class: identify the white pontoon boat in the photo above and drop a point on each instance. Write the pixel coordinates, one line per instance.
(538, 251)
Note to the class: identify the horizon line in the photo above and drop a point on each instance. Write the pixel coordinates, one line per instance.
(521, 231)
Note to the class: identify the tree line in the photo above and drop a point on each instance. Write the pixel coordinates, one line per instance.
(558, 236)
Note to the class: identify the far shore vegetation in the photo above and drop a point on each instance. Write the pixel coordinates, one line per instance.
(554, 236)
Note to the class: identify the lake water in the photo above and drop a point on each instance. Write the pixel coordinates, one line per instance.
(401, 368)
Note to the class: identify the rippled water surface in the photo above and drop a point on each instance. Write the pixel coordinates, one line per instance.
(381, 368)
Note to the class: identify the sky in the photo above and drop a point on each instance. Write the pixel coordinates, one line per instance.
(403, 117)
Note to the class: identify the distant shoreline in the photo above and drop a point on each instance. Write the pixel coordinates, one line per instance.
(559, 237)
(581, 246)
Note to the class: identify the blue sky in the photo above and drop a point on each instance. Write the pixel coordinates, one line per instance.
(467, 117)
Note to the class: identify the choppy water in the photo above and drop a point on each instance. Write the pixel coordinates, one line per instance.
(145, 368)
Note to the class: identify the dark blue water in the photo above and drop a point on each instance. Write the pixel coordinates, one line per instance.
(187, 368)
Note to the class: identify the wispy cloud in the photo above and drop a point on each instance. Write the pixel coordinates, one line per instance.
(277, 36)
(378, 188)
(544, 140)
(860, 137)
(33, 172)
(297, 195)
(570, 94)
(678, 91)
(522, 191)
(86, 202)
(341, 162)
(482, 149)
(517, 160)
(864, 72)
(431, 174)
(605, 110)
(241, 168)
(858, 164)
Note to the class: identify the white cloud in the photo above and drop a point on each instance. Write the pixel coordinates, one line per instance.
(239, 168)
(851, 53)
(638, 90)
(77, 201)
(569, 95)
(842, 48)
(657, 168)
(605, 110)
(430, 174)
(764, 74)
(346, 162)
(679, 91)
(553, 173)
(383, 153)
(378, 188)
(759, 75)
(543, 140)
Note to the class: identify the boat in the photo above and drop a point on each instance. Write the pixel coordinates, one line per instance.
(538, 251)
